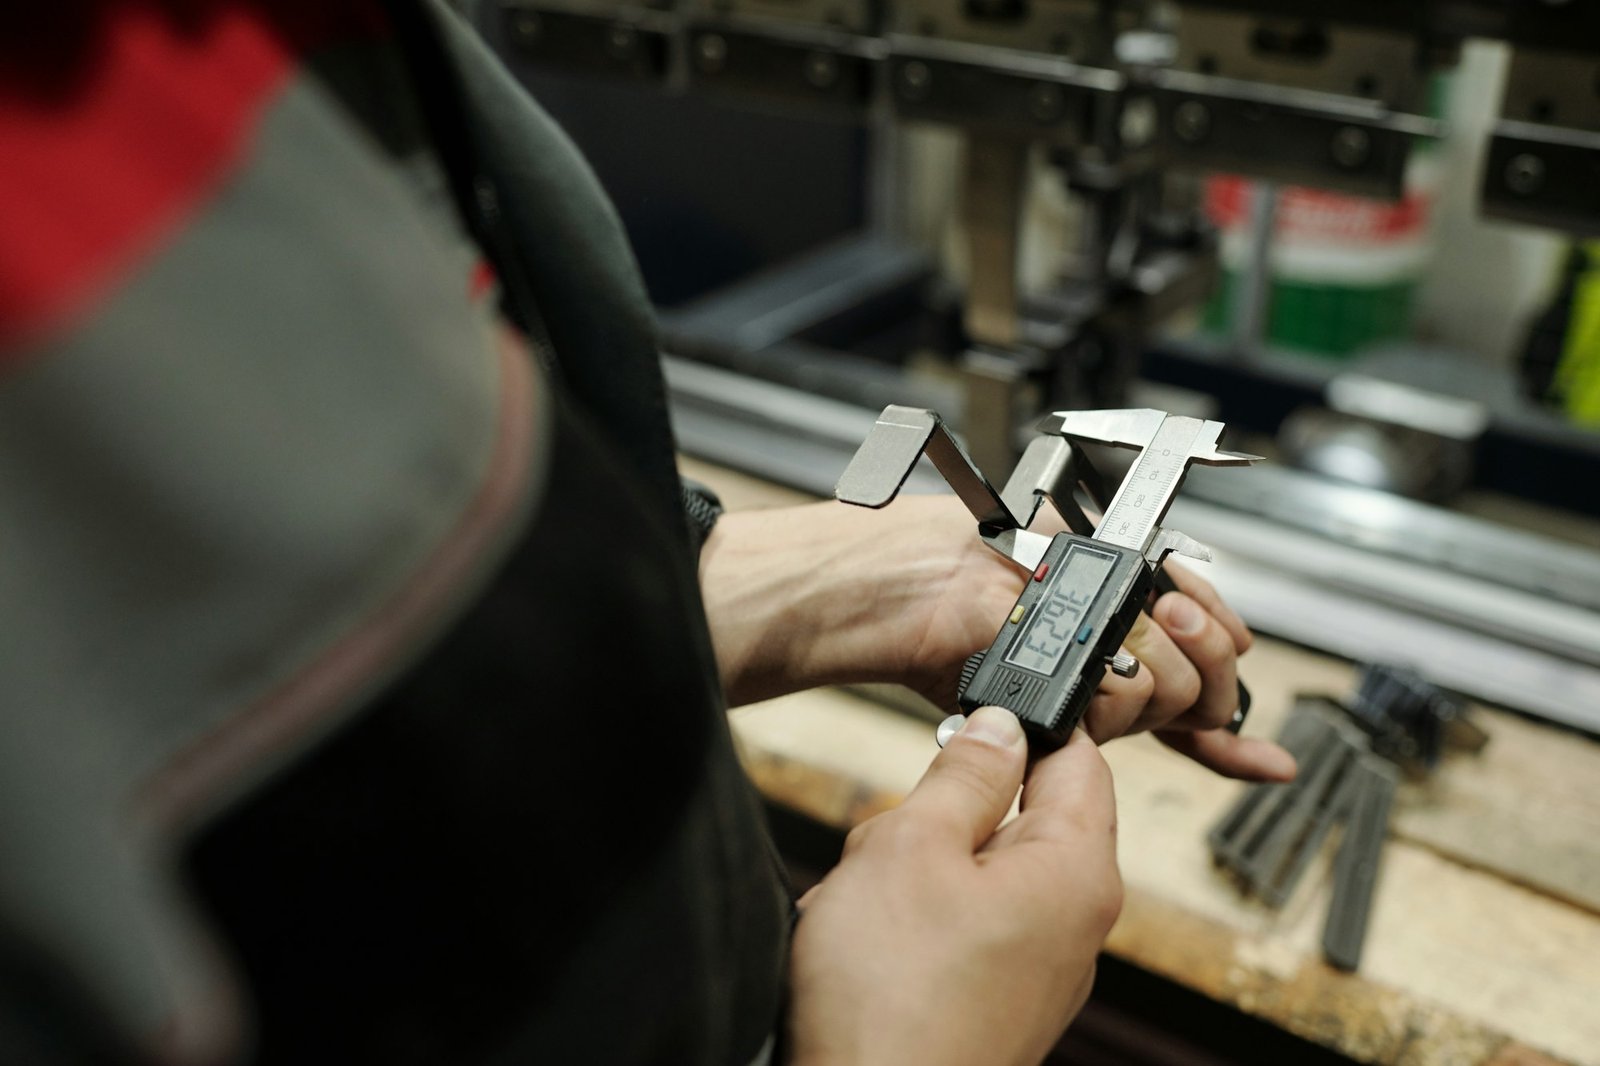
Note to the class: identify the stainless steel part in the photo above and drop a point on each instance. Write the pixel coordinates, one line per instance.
(889, 453)
(1170, 443)
(949, 728)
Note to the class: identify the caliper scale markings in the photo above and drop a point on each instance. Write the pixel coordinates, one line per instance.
(1148, 490)
(1168, 444)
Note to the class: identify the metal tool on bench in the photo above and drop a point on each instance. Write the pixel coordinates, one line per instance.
(1270, 837)
(1088, 585)
(1410, 722)
(1350, 754)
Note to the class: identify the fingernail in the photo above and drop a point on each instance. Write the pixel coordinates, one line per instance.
(993, 725)
(1185, 616)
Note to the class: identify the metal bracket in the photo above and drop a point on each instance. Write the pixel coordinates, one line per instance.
(901, 436)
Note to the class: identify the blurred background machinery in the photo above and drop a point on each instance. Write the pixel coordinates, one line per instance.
(1359, 230)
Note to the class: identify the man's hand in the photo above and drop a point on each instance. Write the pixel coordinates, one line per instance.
(938, 939)
(1188, 690)
(828, 594)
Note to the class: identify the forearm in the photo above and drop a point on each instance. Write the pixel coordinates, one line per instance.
(794, 601)
(829, 594)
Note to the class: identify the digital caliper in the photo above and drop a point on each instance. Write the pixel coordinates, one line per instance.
(1086, 587)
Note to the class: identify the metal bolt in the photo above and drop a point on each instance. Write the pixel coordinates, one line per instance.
(711, 53)
(621, 40)
(822, 70)
(1525, 174)
(1123, 665)
(1046, 102)
(916, 80)
(1139, 121)
(1352, 146)
(526, 27)
(1191, 122)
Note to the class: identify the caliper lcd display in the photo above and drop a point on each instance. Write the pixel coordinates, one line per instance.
(1056, 618)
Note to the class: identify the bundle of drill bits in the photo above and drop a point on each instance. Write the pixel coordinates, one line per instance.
(1351, 754)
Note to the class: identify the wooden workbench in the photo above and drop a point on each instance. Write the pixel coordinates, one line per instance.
(1484, 944)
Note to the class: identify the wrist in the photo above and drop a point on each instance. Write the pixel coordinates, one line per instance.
(800, 597)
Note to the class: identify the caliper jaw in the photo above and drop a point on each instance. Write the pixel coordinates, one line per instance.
(1170, 541)
(1139, 429)
(1136, 428)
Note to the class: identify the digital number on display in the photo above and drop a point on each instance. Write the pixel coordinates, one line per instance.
(1057, 617)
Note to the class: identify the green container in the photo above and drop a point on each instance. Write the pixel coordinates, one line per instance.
(1324, 318)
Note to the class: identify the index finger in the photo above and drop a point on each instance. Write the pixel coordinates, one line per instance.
(1202, 591)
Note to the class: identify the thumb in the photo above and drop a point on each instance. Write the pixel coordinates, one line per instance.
(971, 783)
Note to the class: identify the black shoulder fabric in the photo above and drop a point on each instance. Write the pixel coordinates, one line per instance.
(46, 1019)
(538, 847)
(568, 246)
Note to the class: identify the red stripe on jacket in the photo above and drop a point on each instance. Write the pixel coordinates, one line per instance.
(117, 120)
